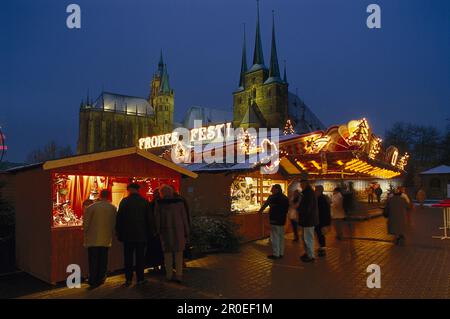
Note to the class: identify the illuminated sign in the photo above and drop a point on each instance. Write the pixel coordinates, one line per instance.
(198, 134)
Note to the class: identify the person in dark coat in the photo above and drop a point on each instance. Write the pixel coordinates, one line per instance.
(308, 218)
(323, 204)
(187, 251)
(154, 254)
(396, 211)
(173, 228)
(378, 191)
(132, 229)
(279, 205)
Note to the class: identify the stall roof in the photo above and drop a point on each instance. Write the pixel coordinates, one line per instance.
(80, 159)
(442, 169)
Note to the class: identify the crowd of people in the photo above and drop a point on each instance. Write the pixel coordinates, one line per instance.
(315, 212)
(152, 233)
(374, 190)
(156, 233)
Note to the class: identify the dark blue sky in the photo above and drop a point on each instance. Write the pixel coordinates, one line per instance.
(342, 69)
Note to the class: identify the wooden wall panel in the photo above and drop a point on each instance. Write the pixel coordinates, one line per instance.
(33, 222)
(208, 194)
(129, 165)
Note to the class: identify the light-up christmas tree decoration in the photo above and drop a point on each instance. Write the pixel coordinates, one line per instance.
(360, 135)
(288, 128)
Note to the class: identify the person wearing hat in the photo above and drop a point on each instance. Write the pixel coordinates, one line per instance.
(308, 212)
(132, 229)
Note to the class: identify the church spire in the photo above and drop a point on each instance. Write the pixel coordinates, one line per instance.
(243, 63)
(161, 65)
(274, 70)
(258, 57)
(284, 73)
(164, 87)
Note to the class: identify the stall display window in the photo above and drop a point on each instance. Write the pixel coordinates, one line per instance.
(248, 193)
(244, 195)
(267, 186)
(73, 193)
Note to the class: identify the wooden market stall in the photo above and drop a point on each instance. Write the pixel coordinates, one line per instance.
(49, 199)
(348, 153)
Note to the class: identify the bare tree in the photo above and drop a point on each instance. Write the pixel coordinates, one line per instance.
(50, 151)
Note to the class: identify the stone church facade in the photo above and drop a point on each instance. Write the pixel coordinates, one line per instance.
(262, 99)
(115, 121)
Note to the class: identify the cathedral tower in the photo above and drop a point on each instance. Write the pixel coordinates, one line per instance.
(262, 97)
(162, 99)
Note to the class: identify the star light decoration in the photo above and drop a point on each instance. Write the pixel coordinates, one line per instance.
(401, 164)
(247, 142)
(315, 143)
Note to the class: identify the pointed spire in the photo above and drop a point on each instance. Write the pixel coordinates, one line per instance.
(87, 98)
(164, 87)
(161, 64)
(258, 57)
(274, 70)
(243, 63)
(284, 73)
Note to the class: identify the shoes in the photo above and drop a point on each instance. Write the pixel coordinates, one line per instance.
(127, 283)
(307, 259)
(93, 286)
(322, 253)
(175, 280)
(273, 257)
(142, 282)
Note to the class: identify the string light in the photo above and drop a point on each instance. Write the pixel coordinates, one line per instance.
(288, 128)
(403, 161)
(247, 142)
(375, 147)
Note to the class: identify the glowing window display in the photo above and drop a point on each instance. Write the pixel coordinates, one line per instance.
(249, 193)
(71, 192)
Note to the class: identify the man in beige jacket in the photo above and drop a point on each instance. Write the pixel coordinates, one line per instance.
(98, 225)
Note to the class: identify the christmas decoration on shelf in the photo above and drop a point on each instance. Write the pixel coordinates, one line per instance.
(247, 142)
(288, 128)
(403, 161)
(375, 147)
(63, 214)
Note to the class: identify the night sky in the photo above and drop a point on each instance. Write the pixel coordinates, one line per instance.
(342, 69)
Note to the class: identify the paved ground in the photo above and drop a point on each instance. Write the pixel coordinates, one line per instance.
(419, 269)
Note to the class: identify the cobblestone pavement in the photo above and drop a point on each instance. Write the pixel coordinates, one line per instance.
(420, 269)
